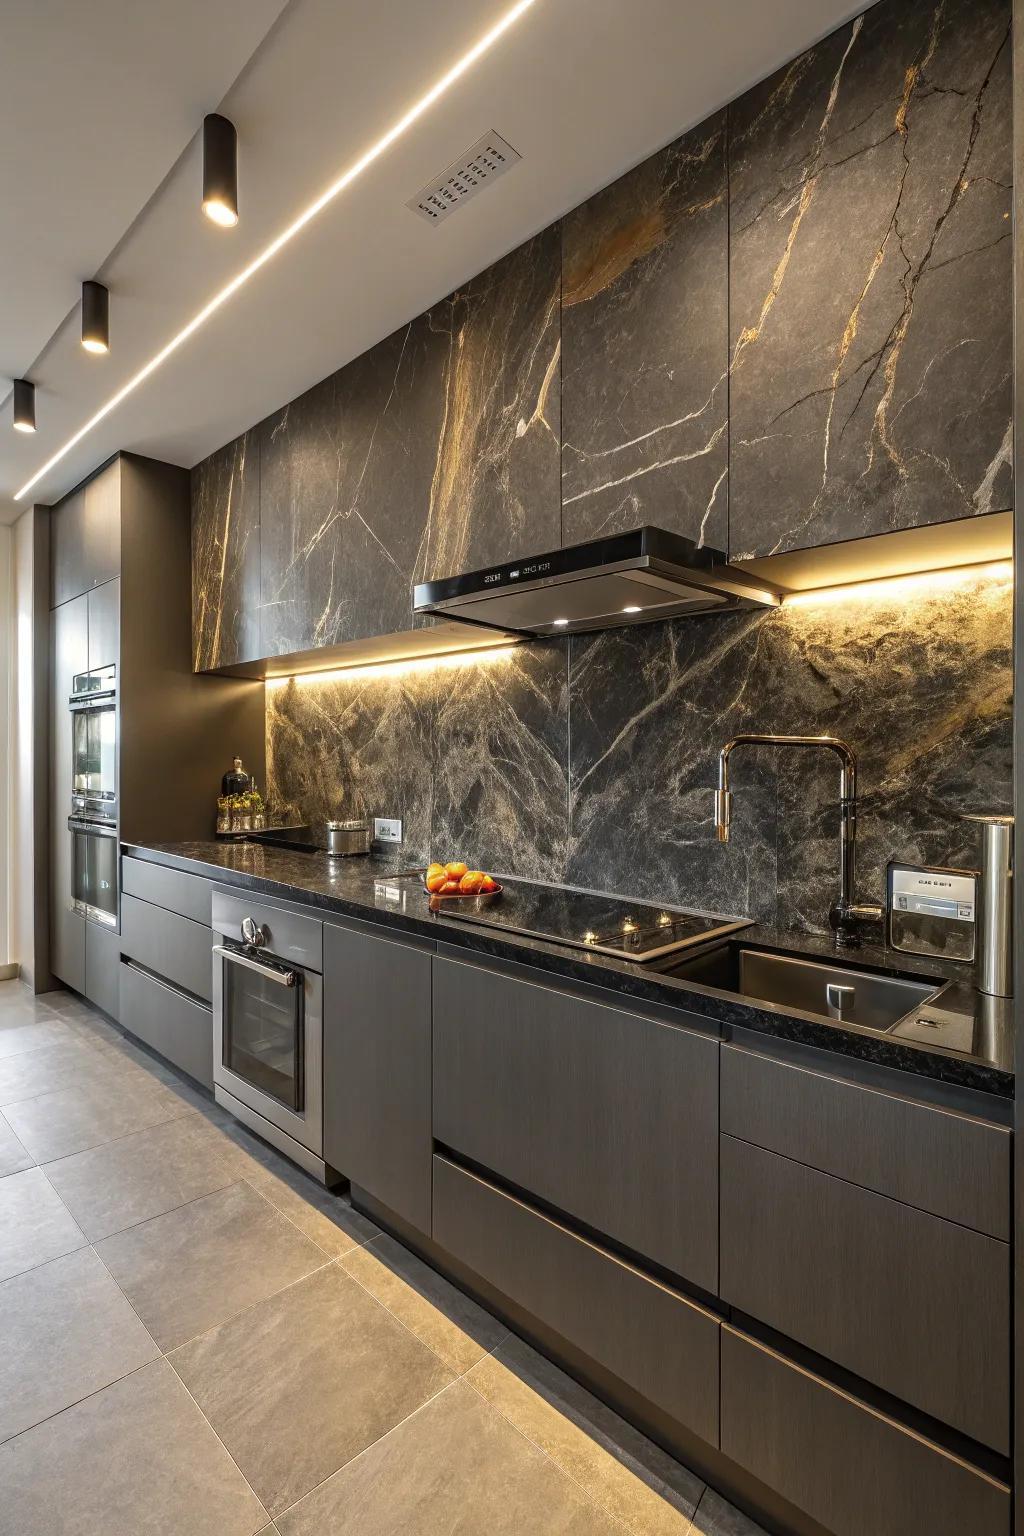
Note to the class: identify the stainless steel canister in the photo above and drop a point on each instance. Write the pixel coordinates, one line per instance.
(347, 837)
(995, 903)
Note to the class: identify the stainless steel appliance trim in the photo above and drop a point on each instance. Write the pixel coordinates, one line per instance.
(92, 828)
(97, 701)
(305, 1129)
(279, 974)
(276, 1137)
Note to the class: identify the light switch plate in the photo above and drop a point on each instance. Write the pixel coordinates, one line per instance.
(387, 829)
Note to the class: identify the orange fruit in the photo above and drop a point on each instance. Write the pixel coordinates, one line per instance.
(471, 882)
(487, 884)
(435, 869)
(456, 871)
(450, 888)
(437, 881)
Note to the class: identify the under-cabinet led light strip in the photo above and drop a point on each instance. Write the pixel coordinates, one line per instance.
(395, 132)
(360, 671)
(878, 589)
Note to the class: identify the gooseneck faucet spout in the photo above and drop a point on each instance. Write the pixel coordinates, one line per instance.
(846, 915)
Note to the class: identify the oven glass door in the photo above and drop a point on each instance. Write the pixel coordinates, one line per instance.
(263, 1030)
(94, 873)
(94, 751)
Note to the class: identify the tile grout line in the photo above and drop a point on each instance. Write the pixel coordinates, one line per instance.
(366, 1448)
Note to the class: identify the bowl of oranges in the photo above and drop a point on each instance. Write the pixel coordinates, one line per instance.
(457, 882)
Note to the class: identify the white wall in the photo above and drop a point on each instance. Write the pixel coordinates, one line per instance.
(8, 809)
(23, 737)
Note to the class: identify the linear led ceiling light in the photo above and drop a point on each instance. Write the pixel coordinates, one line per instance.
(24, 406)
(440, 88)
(220, 170)
(95, 317)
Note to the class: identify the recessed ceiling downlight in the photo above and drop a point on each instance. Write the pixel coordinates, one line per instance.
(220, 170)
(95, 317)
(24, 406)
(399, 128)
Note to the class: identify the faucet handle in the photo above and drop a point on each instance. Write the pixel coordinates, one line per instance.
(723, 813)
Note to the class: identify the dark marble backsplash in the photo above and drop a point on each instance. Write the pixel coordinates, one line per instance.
(592, 760)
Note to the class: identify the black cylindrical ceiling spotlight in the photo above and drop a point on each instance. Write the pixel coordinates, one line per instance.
(220, 170)
(24, 405)
(95, 317)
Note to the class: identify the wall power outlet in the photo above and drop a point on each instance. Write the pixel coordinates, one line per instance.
(387, 829)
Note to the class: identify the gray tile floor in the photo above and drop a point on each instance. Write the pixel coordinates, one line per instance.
(196, 1338)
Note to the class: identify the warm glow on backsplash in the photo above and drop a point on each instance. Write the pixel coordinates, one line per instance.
(385, 669)
(921, 584)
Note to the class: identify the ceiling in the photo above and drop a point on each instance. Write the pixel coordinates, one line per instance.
(104, 103)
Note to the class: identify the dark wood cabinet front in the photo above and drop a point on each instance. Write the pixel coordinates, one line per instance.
(605, 1115)
(850, 1468)
(914, 1304)
(377, 1068)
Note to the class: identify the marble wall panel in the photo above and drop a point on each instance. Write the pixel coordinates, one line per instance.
(225, 496)
(645, 348)
(870, 280)
(344, 471)
(593, 761)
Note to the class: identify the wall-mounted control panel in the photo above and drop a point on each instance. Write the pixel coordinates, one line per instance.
(387, 829)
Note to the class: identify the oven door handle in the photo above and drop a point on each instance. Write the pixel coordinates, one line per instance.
(281, 975)
(86, 701)
(91, 828)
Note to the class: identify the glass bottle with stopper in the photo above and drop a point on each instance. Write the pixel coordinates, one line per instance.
(236, 781)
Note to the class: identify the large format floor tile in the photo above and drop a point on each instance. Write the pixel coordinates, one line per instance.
(13, 1156)
(196, 1266)
(95, 1111)
(136, 1459)
(297, 1386)
(124, 1182)
(456, 1466)
(65, 1331)
(35, 1225)
(443, 1317)
(23, 1033)
(35, 1072)
(632, 1479)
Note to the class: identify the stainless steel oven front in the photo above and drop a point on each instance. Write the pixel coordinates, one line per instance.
(268, 1024)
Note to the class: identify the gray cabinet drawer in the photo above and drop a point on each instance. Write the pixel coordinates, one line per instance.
(377, 1068)
(102, 959)
(943, 1162)
(172, 946)
(188, 895)
(916, 1305)
(850, 1468)
(655, 1341)
(608, 1116)
(288, 934)
(169, 1022)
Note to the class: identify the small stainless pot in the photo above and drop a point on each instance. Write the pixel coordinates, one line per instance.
(347, 837)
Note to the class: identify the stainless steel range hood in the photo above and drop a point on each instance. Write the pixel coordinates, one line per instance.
(628, 578)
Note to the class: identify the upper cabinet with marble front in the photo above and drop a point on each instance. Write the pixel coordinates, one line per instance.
(645, 348)
(434, 452)
(870, 299)
(226, 556)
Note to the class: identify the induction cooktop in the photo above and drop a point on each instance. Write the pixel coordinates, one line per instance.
(609, 925)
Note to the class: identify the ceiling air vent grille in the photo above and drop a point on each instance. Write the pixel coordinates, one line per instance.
(486, 160)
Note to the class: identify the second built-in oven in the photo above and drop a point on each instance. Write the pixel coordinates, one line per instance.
(93, 821)
(268, 1023)
(94, 870)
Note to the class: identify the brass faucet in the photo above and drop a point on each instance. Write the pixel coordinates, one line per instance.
(846, 915)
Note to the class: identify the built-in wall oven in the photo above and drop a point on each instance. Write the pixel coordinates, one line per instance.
(93, 820)
(268, 1023)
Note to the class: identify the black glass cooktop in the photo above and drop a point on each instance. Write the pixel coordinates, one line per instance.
(627, 929)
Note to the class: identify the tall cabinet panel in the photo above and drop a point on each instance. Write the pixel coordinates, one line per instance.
(69, 637)
(104, 625)
(86, 537)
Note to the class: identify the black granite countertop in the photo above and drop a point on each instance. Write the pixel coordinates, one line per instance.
(983, 1025)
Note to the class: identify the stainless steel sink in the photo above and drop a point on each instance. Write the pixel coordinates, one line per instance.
(835, 992)
(838, 993)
